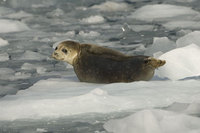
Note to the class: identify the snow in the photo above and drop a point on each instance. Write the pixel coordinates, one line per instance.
(4, 57)
(181, 62)
(12, 26)
(160, 44)
(110, 6)
(154, 121)
(182, 25)
(30, 55)
(93, 19)
(161, 12)
(54, 98)
(3, 42)
(193, 37)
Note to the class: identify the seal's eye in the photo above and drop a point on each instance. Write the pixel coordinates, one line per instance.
(64, 51)
(56, 48)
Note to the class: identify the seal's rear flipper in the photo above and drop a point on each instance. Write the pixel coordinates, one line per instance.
(155, 63)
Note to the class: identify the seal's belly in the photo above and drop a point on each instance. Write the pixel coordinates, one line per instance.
(106, 70)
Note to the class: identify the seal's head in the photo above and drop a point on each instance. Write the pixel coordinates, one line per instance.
(66, 51)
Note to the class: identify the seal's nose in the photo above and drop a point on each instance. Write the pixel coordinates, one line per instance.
(54, 54)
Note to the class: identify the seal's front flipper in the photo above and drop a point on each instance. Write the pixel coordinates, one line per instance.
(155, 63)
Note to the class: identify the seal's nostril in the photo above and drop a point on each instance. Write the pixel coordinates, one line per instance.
(55, 53)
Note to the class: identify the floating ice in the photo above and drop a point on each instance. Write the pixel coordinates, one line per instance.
(56, 13)
(19, 15)
(3, 42)
(93, 19)
(30, 55)
(12, 26)
(5, 11)
(90, 34)
(181, 63)
(160, 44)
(184, 1)
(182, 25)
(193, 37)
(188, 108)
(4, 57)
(110, 6)
(154, 121)
(39, 69)
(54, 98)
(138, 28)
(6, 90)
(160, 12)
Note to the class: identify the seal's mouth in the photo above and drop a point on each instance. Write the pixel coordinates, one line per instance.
(56, 56)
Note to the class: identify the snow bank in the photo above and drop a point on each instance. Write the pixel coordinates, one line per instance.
(154, 121)
(54, 98)
(3, 42)
(160, 12)
(93, 19)
(110, 6)
(160, 44)
(12, 26)
(181, 63)
(193, 37)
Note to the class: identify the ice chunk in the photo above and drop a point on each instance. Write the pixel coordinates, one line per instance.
(3, 42)
(12, 26)
(30, 55)
(182, 25)
(181, 63)
(154, 121)
(90, 34)
(39, 69)
(64, 96)
(184, 1)
(5, 11)
(19, 15)
(5, 90)
(160, 12)
(93, 19)
(193, 37)
(56, 13)
(138, 28)
(188, 108)
(110, 6)
(162, 44)
(4, 57)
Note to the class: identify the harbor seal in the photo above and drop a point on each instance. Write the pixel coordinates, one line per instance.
(98, 64)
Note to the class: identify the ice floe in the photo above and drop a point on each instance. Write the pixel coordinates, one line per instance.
(193, 37)
(154, 121)
(3, 42)
(160, 44)
(55, 98)
(56, 13)
(182, 25)
(163, 12)
(93, 19)
(90, 34)
(30, 55)
(19, 15)
(39, 69)
(181, 63)
(110, 6)
(12, 26)
(4, 57)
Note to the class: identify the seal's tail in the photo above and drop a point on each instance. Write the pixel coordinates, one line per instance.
(155, 63)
